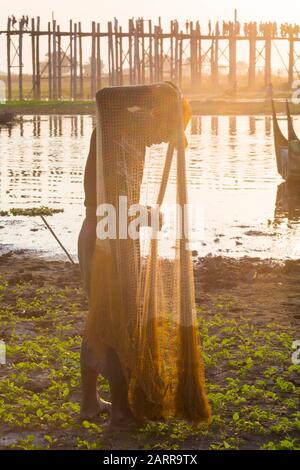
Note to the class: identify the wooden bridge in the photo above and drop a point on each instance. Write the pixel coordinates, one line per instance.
(142, 54)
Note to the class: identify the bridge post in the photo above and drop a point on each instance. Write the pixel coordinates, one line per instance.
(50, 94)
(199, 51)
(54, 59)
(20, 60)
(215, 62)
(33, 58)
(71, 61)
(93, 61)
(232, 56)
(268, 55)
(193, 54)
(8, 61)
(99, 71)
(37, 56)
(81, 86)
(252, 56)
(59, 64)
(150, 52)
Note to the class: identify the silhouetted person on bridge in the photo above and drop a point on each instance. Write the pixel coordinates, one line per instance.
(209, 28)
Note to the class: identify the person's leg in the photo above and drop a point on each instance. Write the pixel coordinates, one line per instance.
(110, 366)
(91, 405)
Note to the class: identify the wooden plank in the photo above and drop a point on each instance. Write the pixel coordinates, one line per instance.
(75, 61)
(150, 52)
(215, 62)
(37, 55)
(54, 59)
(193, 57)
(20, 60)
(180, 72)
(93, 61)
(130, 55)
(8, 53)
(143, 58)
(268, 55)
(137, 64)
(50, 89)
(99, 68)
(115, 40)
(161, 52)
(71, 60)
(176, 58)
(232, 56)
(121, 56)
(252, 56)
(199, 49)
(172, 54)
(33, 58)
(156, 55)
(59, 63)
(111, 54)
(291, 59)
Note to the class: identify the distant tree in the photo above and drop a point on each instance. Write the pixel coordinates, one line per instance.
(87, 67)
(65, 62)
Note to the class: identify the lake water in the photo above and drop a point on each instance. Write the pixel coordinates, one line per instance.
(243, 207)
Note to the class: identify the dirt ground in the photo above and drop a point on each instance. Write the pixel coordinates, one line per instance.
(249, 317)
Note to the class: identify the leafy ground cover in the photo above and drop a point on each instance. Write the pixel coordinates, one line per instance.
(252, 383)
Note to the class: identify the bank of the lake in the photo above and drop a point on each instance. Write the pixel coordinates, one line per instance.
(200, 106)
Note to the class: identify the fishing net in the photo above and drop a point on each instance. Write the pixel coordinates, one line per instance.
(142, 288)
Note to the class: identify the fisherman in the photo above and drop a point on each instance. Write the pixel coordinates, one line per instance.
(92, 405)
(149, 115)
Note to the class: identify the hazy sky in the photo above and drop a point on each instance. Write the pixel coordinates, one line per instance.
(86, 10)
(101, 11)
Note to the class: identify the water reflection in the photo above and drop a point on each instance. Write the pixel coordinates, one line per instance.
(214, 125)
(232, 125)
(252, 125)
(196, 125)
(268, 124)
(287, 204)
(231, 170)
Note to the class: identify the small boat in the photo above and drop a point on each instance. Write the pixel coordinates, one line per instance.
(287, 205)
(287, 150)
(291, 131)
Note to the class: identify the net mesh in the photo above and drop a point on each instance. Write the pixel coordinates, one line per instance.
(142, 289)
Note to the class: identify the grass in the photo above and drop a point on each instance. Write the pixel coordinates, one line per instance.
(251, 380)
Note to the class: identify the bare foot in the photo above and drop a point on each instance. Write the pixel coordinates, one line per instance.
(122, 421)
(90, 409)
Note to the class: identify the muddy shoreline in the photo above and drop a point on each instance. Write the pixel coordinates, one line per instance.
(249, 316)
(263, 290)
